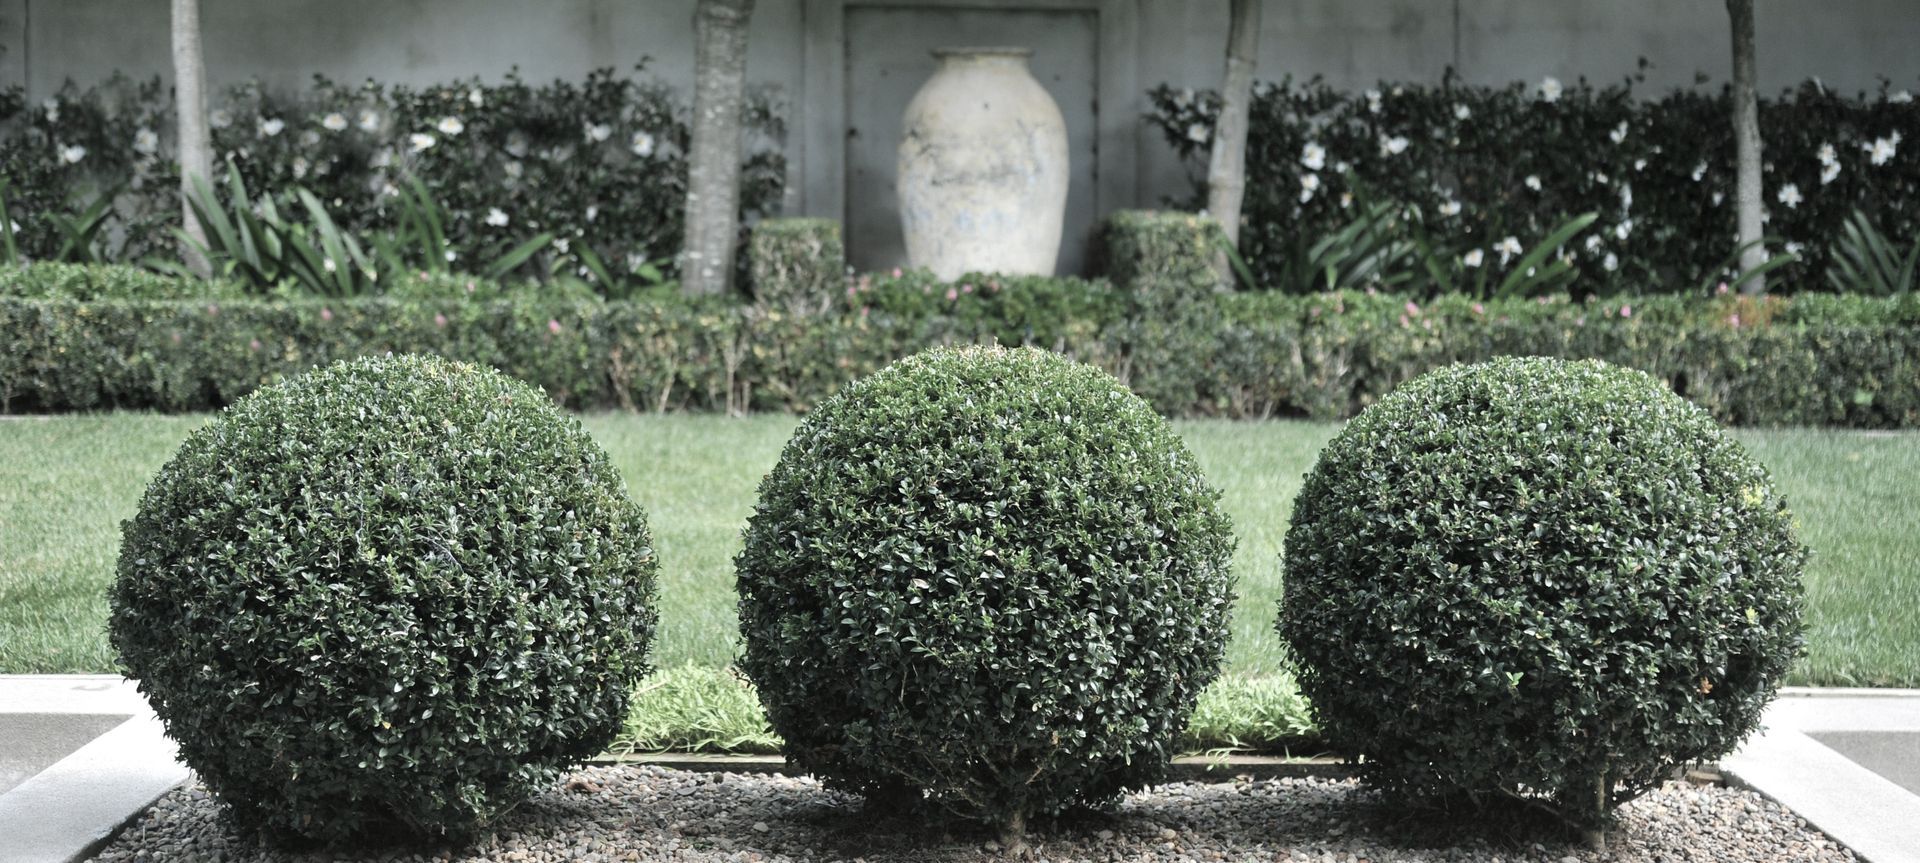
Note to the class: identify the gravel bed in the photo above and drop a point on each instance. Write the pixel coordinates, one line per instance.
(643, 813)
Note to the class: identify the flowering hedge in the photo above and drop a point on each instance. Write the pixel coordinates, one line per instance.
(1805, 360)
(601, 163)
(1485, 172)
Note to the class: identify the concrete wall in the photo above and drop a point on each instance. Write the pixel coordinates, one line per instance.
(1353, 43)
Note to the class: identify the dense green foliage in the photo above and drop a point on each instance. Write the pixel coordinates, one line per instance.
(798, 265)
(1811, 359)
(1464, 168)
(1532, 576)
(391, 596)
(988, 576)
(599, 164)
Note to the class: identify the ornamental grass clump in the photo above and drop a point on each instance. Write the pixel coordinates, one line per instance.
(991, 580)
(387, 599)
(1539, 579)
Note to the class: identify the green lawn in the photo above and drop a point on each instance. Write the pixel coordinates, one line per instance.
(66, 482)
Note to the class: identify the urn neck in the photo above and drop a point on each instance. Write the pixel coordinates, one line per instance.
(1010, 58)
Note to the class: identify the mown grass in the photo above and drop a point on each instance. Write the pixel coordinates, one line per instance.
(67, 482)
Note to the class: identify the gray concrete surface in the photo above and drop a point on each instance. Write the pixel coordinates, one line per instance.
(36, 741)
(67, 810)
(1892, 754)
(1851, 801)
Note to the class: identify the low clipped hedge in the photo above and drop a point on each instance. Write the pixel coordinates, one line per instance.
(1538, 578)
(990, 578)
(388, 598)
(1805, 360)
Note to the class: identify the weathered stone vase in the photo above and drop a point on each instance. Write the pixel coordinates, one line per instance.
(983, 167)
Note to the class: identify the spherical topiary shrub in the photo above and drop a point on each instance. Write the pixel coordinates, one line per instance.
(391, 597)
(993, 578)
(1541, 577)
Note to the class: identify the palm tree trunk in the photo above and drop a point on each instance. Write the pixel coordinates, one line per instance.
(196, 145)
(713, 170)
(1746, 143)
(1227, 170)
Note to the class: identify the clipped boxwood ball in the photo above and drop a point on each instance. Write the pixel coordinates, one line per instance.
(993, 578)
(1541, 577)
(389, 598)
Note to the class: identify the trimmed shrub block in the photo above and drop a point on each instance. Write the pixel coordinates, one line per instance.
(1541, 578)
(990, 578)
(391, 597)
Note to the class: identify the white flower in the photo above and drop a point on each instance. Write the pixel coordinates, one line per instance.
(1623, 229)
(1699, 171)
(1183, 99)
(1309, 184)
(1508, 248)
(1611, 262)
(419, 141)
(271, 126)
(1533, 182)
(1313, 156)
(1626, 197)
(475, 98)
(1883, 149)
(369, 120)
(1717, 198)
(329, 265)
(1789, 194)
(1346, 200)
(1639, 164)
(1461, 112)
(16, 225)
(1198, 133)
(593, 212)
(1393, 146)
(563, 244)
(1341, 166)
(1794, 248)
(1828, 155)
(1474, 258)
(1619, 133)
(452, 256)
(641, 145)
(1373, 101)
(381, 158)
(1550, 89)
(597, 132)
(389, 190)
(1449, 208)
(300, 167)
(496, 217)
(450, 126)
(514, 170)
(73, 154)
(1593, 243)
(1828, 173)
(220, 118)
(52, 106)
(310, 138)
(334, 122)
(1599, 177)
(146, 142)
(517, 145)
(1900, 98)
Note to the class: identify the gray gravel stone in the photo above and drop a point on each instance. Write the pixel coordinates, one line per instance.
(614, 814)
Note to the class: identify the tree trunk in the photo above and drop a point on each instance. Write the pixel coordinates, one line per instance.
(1746, 142)
(713, 167)
(190, 102)
(1227, 170)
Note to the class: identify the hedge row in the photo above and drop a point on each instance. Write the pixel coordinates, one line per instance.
(1844, 361)
(1475, 165)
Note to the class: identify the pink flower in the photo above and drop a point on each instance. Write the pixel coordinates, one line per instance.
(326, 314)
(1413, 309)
(952, 294)
(1403, 318)
(851, 289)
(1371, 291)
(966, 288)
(1580, 321)
(253, 345)
(1479, 309)
(896, 272)
(1722, 289)
(1626, 311)
(1733, 319)
(553, 326)
(863, 311)
(439, 320)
